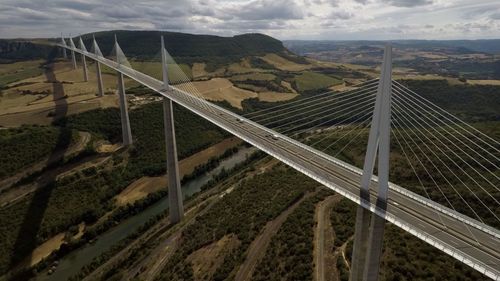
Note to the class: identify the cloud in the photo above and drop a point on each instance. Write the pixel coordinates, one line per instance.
(495, 16)
(408, 3)
(364, 2)
(285, 19)
(122, 12)
(268, 10)
(78, 5)
(341, 15)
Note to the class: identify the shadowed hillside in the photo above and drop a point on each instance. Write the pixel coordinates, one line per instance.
(145, 45)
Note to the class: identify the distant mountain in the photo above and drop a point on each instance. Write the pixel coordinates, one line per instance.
(146, 45)
(491, 46)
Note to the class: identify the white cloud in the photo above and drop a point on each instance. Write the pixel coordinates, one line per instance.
(284, 19)
(408, 3)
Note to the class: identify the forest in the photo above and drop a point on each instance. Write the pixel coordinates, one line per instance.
(289, 256)
(27, 145)
(427, 262)
(472, 103)
(147, 156)
(54, 208)
(146, 44)
(263, 197)
(22, 50)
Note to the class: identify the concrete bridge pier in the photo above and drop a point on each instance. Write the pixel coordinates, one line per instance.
(100, 86)
(360, 245)
(85, 73)
(84, 61)
(98, 71)
(368, 236)
(63, 42)
(73, 59)
(176, 207)
(126, 131)
(73, 56)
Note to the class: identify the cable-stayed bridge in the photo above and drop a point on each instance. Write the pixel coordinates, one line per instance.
(453, 204)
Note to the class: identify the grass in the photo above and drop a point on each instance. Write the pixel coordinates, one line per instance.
(282, 63)
(254, 76)
(313, 81)
(13, 72)
(153, 69)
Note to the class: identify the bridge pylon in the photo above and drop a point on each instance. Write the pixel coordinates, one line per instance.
(98, 71)
(126, 131)
(63, 42)
(84, 61)
(368, 237)
(176, 207)
(73, 56)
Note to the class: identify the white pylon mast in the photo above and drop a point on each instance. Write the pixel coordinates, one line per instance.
(368, 237)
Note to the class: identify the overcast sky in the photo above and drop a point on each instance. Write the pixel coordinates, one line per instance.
(283, 19)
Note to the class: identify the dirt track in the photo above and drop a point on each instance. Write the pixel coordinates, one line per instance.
(324, 266)
(258, 247)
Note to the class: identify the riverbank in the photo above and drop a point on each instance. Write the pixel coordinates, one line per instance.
(53, 244)
(146, 185)
(73, 262)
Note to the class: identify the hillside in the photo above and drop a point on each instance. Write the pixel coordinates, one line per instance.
(491, 46)
(12, 50)
(146, 45)
(468, 59)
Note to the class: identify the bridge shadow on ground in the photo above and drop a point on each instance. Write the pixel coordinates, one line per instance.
(28, 236)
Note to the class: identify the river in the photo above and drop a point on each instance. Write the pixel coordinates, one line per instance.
(73, 262)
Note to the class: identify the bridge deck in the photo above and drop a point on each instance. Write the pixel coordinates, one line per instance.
(414, 214)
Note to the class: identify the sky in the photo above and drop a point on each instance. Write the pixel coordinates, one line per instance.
(283, 19)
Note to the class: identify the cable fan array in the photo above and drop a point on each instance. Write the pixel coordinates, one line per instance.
(453, 163)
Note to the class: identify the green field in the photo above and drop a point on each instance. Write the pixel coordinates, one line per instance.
(254, 76)
(13, 72)
(153, 69)
(309, 80)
